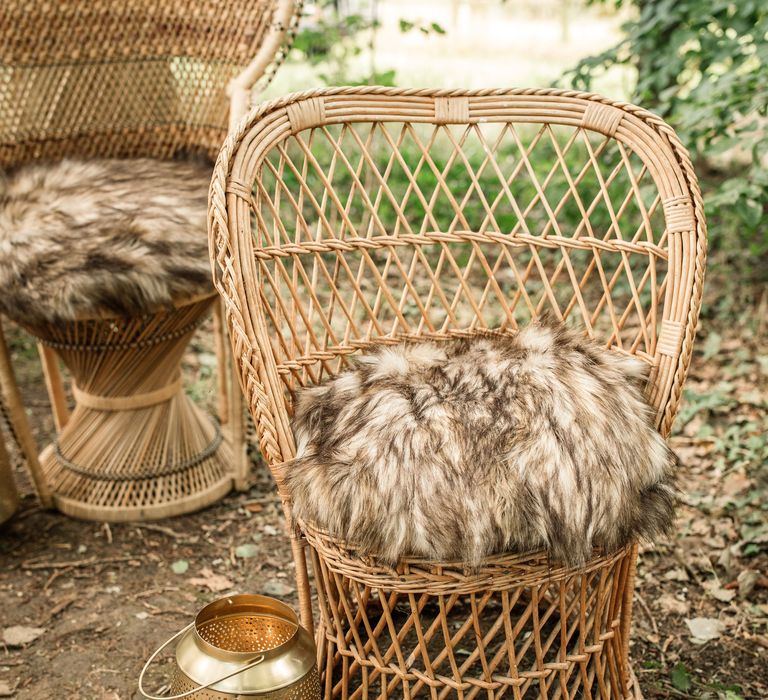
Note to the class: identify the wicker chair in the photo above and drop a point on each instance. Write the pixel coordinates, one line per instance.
(350, 216)
(124, 80)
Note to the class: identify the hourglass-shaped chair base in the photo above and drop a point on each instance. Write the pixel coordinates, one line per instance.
(135, 447)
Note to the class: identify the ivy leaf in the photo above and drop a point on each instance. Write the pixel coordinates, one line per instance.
(732, 695)
(180, 567)
(680, 677)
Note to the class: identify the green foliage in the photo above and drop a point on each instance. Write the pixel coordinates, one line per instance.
(332, 39)
(680, 677)
(424, 27)
(336, 38)
(703, 65)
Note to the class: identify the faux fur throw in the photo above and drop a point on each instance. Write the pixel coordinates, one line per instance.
(458, 450)
(122, 237)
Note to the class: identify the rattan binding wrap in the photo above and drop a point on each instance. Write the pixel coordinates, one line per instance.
(345, 217)
(142, 78)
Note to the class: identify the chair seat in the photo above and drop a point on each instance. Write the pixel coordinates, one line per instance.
(102, 238)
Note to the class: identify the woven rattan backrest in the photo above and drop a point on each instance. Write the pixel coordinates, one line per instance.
(350, 216)
(122, 79)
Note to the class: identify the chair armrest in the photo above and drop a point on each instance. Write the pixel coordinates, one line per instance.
(277, 42)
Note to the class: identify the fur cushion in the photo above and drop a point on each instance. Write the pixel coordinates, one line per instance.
(116, 237)
(458, 450)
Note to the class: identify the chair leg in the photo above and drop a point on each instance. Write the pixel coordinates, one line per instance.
(231, 408)
(9, 496)
(222, 376)
(55, 385)
(626, 616)
(237, 430)
(302, 583)
(20, 423)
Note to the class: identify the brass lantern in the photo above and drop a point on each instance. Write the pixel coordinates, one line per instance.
(242, 647)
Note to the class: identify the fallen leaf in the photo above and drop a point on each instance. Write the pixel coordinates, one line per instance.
(142, 615)
(19, 636)
(670, 604)
(246, 551)
(677, 574)
(747, 580)
(725, 528)
(716, 542)
(701, 526)
(757, 534)
(254, 507)
(726, 559)
(213, 582)
(180, 566)
(276, 588)
(270, 530)
(719, 593)
(704, 629)
(735, 483)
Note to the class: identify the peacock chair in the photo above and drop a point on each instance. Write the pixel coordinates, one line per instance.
(140, 79)
(344, 217)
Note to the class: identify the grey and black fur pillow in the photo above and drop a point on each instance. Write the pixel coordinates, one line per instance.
(459, 450)
(108, 236)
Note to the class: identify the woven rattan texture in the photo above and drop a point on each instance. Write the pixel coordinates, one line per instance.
(351, 216)
(135, 446)
(515, 628)
(135, 78)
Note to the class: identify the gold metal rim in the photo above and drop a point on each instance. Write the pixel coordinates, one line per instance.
(243, 605)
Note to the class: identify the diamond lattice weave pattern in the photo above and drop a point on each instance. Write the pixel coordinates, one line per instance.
(384, 231)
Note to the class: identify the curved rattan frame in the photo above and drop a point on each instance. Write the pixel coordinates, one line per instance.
(100, 84)
(235, 257)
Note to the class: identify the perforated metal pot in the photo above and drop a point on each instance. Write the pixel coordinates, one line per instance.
(243, 646)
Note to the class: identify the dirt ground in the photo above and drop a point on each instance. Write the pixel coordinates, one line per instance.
(101, 598)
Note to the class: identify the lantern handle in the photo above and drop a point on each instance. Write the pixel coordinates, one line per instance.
(253, 662)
